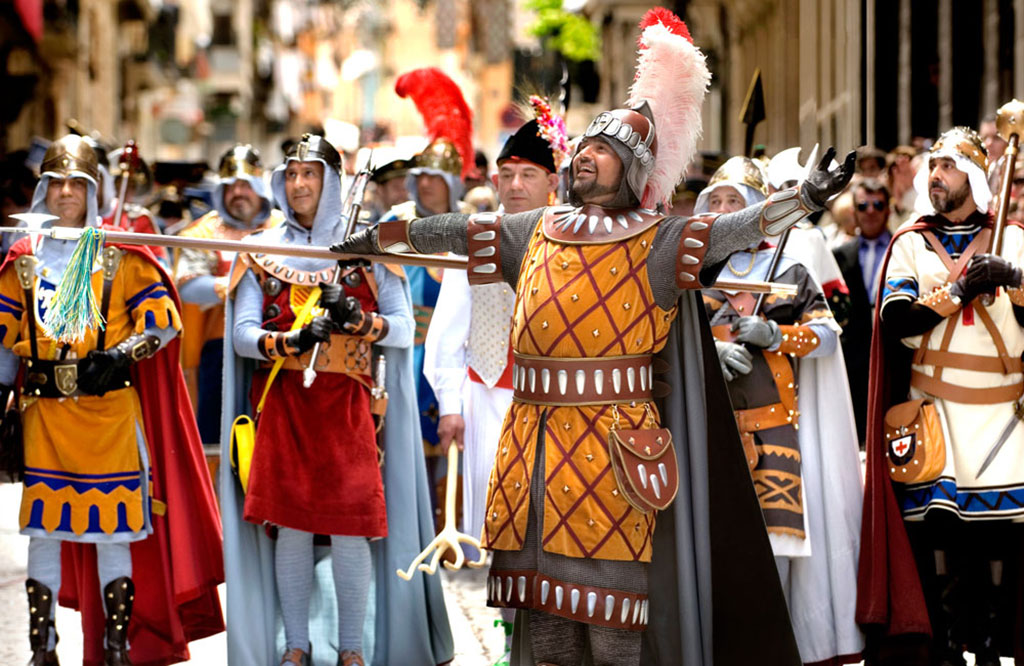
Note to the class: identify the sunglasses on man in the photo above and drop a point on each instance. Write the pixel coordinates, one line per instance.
(878, 204)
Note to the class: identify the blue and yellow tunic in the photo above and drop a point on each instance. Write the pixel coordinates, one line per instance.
(87, 468)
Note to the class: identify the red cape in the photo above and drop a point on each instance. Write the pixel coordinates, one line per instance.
(889, 590)
(177, 569)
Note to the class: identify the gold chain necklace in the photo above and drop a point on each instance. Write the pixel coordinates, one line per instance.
(737, 273)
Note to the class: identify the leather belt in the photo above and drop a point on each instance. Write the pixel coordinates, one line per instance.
(59, 379)
(343, 354)
(602, 606)
(964, 394)
(762, 418)
(975, 362)
(581, 381)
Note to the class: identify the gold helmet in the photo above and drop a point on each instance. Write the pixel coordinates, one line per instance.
(441, 155)
(71, 153)
(240, 162)
(742, 170)
(961, 141)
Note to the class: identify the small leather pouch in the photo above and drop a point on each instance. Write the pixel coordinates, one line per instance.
(645, 467)
(914, 443)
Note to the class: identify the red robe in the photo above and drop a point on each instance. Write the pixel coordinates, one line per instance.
(176, 570)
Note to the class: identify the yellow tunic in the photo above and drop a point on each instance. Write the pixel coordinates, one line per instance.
(85, 474)
(576, 301)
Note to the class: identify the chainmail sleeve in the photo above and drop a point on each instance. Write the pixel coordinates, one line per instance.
(447, 233)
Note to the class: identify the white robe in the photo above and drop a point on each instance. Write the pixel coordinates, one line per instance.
(483, 409)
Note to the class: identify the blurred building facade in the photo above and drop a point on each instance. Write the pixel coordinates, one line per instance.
(186, 78)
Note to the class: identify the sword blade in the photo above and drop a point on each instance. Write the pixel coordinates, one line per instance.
(1003, 438)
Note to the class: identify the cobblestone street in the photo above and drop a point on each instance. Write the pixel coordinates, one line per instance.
(477, 640)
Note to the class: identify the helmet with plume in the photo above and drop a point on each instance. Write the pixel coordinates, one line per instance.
(656, 134)
(447, 117)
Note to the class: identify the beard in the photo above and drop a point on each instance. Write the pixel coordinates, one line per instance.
(585, 191)
(946, 201)
(241, 209)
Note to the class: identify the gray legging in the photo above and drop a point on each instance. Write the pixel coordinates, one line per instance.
(293, 567)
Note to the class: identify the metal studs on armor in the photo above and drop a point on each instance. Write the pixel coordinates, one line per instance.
(272, 286)
(354, 279)
(272, 312)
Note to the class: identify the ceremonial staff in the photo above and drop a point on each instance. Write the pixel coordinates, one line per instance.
(312, 251)
(1009, 121)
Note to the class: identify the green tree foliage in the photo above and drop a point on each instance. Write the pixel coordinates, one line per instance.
(570, 34)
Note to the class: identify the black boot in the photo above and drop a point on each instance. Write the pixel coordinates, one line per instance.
(947, 650)
(118, 597)
(40, 601)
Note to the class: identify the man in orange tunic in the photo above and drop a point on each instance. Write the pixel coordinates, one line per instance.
(598, 287)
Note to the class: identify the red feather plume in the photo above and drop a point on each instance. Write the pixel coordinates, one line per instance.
(667, 19)
(445, 112)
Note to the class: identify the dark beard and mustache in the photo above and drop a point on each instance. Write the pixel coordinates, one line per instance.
(586, 191)
(948, 202)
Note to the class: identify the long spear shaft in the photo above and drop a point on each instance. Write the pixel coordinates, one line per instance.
(315, 252)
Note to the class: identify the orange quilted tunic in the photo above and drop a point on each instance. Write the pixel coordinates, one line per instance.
(576, 301)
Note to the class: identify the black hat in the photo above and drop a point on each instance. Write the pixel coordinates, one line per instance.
(313, 147)
(390, 171)
(527, 144)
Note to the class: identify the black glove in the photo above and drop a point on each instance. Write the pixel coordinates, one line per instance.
(96, 374)
(734, 358)
(317, 330)
(361, 242)
(757, 332)
(984, 275)
(343, 310)
(822, 184)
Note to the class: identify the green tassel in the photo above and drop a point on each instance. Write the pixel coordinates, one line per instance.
(73, 309)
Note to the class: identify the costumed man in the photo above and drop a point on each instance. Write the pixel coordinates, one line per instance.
(314, 468)
(126, 162)
(941, 546)
(602, 286)
(787, 382)
(113, 467)
(389, 178)
(241, 206)
(468, 358)
(435, 186)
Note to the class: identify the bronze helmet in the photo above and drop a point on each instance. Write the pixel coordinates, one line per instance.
(69, 154)
(240, 161)
(313, 147)
(442, 155)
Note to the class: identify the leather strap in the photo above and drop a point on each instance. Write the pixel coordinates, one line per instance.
(763, 418)
(346, 354)
(603, 606)
(742, 302)
(25, 266)
(963, 394)
(948, 359)
(393, 236)
(581, 381)
(111, 259)
(1006, 364)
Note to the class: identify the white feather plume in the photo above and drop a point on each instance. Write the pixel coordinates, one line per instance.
(672, 77)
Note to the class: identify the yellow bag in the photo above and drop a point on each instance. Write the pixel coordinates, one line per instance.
(914, 443)
(243, 441)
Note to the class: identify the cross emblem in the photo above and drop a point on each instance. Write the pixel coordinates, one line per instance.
(902, 445)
